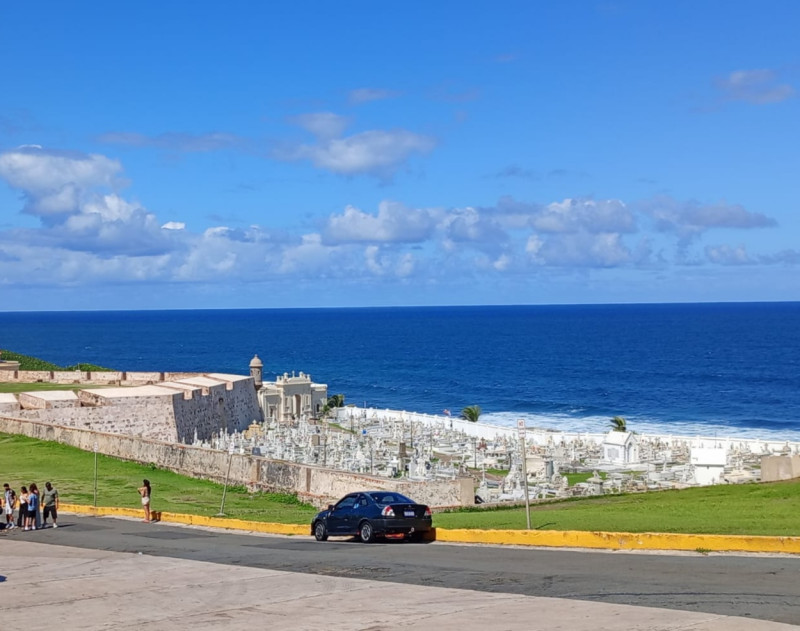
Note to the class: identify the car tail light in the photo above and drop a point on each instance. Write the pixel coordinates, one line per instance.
(427, 511)
(388, 511)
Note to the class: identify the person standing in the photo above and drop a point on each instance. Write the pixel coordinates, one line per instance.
(22, 515)
(50, 504)
(9, 500)
(33, 507)
(145, 491)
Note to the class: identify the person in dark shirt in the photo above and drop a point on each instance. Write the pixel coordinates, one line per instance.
(50, 504)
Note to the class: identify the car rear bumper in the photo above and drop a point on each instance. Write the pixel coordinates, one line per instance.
(401, 525)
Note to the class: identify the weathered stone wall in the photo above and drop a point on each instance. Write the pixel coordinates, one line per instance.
(8, 403)
(171, 411)
(231, 406)
(92, 378)
(776, 468)
(315, 484)
(149, 418)
(48, 400)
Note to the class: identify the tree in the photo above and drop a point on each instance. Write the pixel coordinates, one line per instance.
(619, 424)
(471, 413)
(334, 401)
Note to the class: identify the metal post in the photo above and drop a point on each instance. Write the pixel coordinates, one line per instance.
(96, 448)
(221, 512)
(521, 428)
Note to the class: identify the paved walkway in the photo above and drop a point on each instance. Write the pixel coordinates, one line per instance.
(56, 587)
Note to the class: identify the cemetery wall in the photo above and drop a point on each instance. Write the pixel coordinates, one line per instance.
(314, 484)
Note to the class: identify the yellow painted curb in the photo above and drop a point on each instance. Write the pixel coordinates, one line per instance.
(543, 538)
(623, 540)
(192, 520)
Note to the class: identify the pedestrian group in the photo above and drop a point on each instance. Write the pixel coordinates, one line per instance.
(33, 507)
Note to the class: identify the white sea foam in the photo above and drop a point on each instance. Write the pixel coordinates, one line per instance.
(598, 424)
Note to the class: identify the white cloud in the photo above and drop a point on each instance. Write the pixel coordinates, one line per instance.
(575, 215)
(579, 250)
(98, 236)
(380, 262)
(393, 223)
(376, 152)
(55, 183)
(754, 86)
(373, 152)
(473, 225)
(727, 255)
(690, 219)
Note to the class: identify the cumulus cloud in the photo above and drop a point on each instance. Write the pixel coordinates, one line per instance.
(567, 216)
(56, 183)
(365, 95)
(589, 215)
(375, 152)
(69, 193)
(727, 255)
(754, 86)
(394, 223)
(688, 219)
(582, 250)
(91, 233)
(479, 226)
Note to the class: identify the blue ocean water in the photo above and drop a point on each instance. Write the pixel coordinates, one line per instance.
(724, 369)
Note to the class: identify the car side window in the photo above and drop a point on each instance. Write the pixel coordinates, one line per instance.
(346, 503)
(360, 503)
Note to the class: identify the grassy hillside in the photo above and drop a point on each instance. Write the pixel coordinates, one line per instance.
(749, 509)
(26, 362)
(25, 460)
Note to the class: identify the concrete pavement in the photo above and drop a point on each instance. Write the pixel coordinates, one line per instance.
(51, 586)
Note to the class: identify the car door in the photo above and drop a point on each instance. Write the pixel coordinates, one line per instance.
(340, 517)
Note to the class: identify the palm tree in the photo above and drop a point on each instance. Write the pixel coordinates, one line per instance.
(334, 401)
(471, 413)
(619, 424)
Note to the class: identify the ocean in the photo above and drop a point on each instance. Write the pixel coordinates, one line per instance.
(690, 369)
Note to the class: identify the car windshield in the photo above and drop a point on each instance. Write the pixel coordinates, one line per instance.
(390, 498)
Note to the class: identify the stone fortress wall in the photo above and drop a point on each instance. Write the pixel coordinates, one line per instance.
(176, 407)
(147, 416)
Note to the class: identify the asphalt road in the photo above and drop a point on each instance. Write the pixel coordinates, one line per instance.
(759, 587)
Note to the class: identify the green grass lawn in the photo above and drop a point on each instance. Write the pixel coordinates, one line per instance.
(32, 387)
(742, 509)
(574, 478)
(747, 509)
(24, 460)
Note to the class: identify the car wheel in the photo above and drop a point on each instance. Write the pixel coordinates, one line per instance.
(366, 532)
(320, 531)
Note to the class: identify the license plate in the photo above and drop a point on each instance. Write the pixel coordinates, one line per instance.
(409, 513)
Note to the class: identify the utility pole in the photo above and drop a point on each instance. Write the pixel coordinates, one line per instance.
(221, 512)
(96, 449)
(521, 430)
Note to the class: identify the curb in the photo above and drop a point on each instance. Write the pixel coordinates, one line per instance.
(538, 538)
(191, 520)
(623, 540)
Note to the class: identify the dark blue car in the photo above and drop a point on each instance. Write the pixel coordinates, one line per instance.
(372, 514)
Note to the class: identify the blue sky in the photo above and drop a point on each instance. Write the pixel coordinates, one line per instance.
(304, 154)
